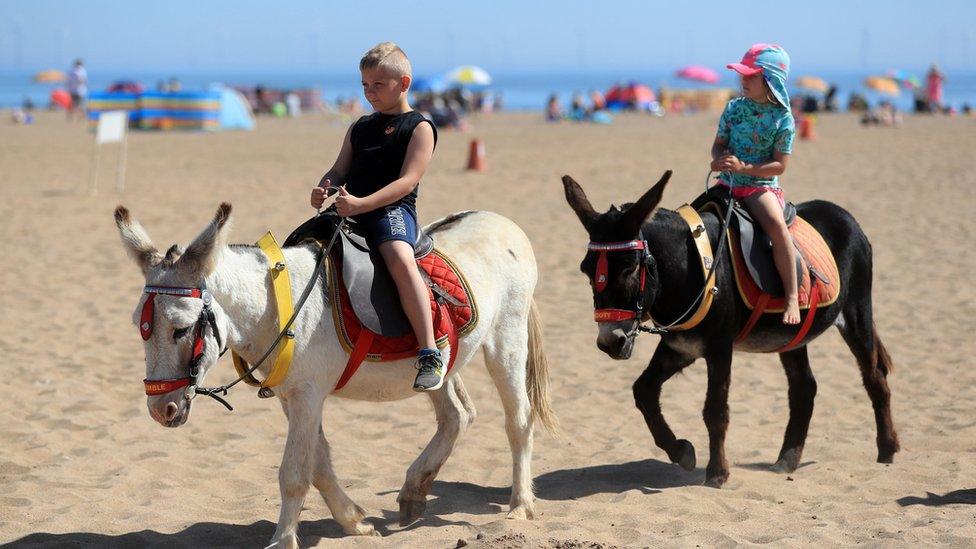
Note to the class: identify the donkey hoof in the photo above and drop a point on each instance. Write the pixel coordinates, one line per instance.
(521, 512)
(886, 458)
(284, 542)
(685, 455)
(716, 481)
(411, 510)
(788, 461)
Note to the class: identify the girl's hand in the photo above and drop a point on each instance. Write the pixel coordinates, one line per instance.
(348, 205)
(729, 163)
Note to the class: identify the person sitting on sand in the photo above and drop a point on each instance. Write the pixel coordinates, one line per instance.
(754, 139)
(377, 174)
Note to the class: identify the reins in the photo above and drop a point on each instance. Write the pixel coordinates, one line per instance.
(718, 256)
(286, 330)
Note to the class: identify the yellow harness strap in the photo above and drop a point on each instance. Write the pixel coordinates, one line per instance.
(700, 236)
(282, 294)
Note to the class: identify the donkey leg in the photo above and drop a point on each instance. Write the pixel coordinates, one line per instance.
(453, 418)
(802, 390)
(647, 396)
(349, 515)
(858, 331)
(716, 415)
(304, 412)
(506, 358)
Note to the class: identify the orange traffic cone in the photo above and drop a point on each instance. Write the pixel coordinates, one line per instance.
(806, 128)
(476, 156)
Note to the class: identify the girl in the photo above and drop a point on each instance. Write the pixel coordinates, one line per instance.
(754, 139)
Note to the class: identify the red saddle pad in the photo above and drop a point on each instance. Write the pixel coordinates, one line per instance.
(816, 254)
(445, 274)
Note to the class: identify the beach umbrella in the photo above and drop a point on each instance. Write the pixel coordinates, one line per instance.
(698, 73)
(882, 84)
(469, 75)
(905, 79)
(434, 84)
(49, 76)
(812, 83)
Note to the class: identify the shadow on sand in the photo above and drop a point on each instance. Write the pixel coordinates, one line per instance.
(935, 500)
(201, 534)
(649, 476)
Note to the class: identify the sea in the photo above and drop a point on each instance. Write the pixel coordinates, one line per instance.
(526, 91)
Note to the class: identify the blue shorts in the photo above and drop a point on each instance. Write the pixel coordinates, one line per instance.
(397, 222)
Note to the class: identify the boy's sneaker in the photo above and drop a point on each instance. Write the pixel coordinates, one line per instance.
(430, 374)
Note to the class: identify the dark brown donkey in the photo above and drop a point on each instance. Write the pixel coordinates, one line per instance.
(643, 263)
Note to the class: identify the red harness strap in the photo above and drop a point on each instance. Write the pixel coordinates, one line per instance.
(808, 321)
(365, 339)
(757, 312)
(804, 328)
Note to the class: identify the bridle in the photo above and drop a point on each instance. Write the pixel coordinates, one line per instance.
(207, 317)
(600, 277)
(638, 313)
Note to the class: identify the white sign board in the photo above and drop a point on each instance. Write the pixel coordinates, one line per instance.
(111, 127)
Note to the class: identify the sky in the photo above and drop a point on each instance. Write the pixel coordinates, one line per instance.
(503, 36)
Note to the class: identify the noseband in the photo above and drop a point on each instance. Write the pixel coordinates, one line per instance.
(161, 386)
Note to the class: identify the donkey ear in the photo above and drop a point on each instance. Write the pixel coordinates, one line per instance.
(135, 240)
(200, 257)
(578, 202)
(645, 205)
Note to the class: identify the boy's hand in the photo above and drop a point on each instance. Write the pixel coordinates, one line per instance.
(348, 205)
(319, 193)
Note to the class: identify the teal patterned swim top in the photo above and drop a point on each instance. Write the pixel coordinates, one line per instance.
(753, 131)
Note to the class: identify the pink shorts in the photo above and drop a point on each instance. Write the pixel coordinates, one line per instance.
(742, 193)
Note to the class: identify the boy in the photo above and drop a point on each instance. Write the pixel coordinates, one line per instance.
(377, 173)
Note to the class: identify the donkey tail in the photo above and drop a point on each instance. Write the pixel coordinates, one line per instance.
(537, 375)
(883, 359)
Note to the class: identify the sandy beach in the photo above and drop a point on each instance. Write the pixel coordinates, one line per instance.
(83, 464)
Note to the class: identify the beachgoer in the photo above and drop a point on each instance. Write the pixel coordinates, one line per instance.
(294, 103)
(554, 112)
(934, 81)
(78, 88)
(754, 140)
(377, 174)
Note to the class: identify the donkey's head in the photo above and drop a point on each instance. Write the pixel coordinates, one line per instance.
(184, 329)
(619, 265)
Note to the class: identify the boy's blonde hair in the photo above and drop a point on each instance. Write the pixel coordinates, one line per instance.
(389, 56)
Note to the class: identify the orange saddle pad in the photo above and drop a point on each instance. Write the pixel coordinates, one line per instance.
(814, 254)
(447, 317)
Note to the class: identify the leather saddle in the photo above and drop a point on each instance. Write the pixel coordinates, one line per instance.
(755, 244)
(372, 291)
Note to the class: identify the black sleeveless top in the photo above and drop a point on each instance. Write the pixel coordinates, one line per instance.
(379, 147)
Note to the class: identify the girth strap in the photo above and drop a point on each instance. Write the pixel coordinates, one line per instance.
(365, 338)
(757, 312)
(359, 351)
(282, 293)
(807, 322)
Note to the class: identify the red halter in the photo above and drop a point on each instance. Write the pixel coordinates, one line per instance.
(161, 386)
(600, 279)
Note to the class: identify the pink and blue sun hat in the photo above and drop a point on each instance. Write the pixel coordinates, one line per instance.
(773, 62)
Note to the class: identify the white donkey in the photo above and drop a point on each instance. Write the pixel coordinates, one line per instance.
(495, 256)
